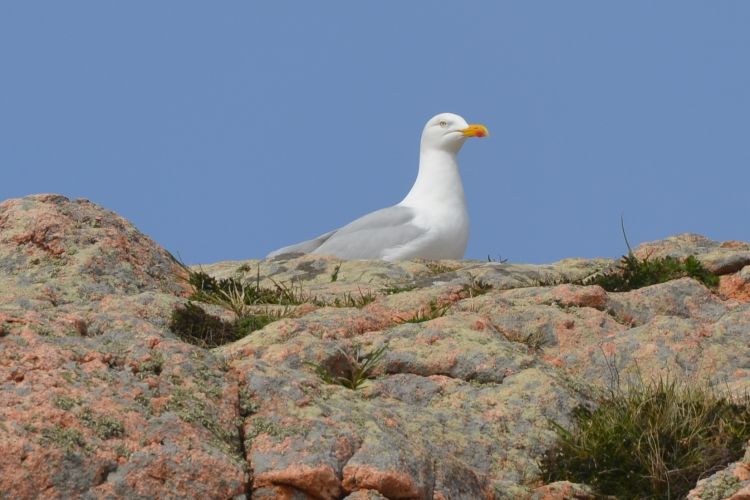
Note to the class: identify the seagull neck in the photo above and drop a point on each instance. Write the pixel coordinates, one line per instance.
(438, 180)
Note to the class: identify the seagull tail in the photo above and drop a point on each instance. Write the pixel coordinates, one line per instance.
(303, 247)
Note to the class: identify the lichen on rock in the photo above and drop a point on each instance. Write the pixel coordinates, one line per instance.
(99, 398)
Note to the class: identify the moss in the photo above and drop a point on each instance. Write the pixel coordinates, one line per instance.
(67, 439)
(195, 410)
(123, 451)
(248, 405)
(64, 402)
(262, 425)
(195, 326)
(245, 326)
(104, 426)
(153, 365)
(652, 440)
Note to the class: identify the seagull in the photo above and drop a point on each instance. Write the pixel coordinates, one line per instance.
(431, 222)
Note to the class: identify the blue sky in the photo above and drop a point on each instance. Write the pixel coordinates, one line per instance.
(226, 129)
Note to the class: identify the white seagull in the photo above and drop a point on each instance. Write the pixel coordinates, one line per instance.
(431, 222)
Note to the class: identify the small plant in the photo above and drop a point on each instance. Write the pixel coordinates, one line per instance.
(64, 402)
(422, 315)
(632, 273)
(358, 370)
(477, 287)
(437, 267)
(534, 340)
(349, 300)
(232, 293)
(499, 260)
(335, 273)
(195, 326)
(653, 440)
(104, 426)
(394, 289)
(63, 437)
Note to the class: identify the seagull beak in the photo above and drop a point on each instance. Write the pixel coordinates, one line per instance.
(475, 130)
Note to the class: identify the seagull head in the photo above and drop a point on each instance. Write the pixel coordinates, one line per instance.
(448, 132)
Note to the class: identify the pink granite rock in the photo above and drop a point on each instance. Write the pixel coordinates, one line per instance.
(99, 399)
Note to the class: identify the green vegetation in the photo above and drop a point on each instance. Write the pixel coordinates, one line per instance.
(195, 326)
(653, 440)
(534, 340)
(335, 273)
(348, 300)
(67, 439)
(232, 293)
(436, 267)
(357, 370)
(422, 315)
(64, 402)
(477, 287)
(632, 273)
(394, 289)
(104, 426)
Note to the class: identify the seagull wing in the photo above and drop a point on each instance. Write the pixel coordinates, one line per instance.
(369, 237)
(372, 236)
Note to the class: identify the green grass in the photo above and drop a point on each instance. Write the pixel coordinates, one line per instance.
(632, 273)
(357, 370)
(233, 293)
(195, 326)
(394, 289)
(435, 311)
(63, 437)
(104, 426)
(534, 341)
(477, 287)
(359, 300)
(651, 440)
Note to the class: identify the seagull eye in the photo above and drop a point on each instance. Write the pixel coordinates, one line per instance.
(443, 123)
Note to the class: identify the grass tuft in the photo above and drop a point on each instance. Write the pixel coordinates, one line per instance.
(632, 273)
(653, 440)
(357, 370)
(232, 292)
(195, 326)
(360, 300)
(423, 315)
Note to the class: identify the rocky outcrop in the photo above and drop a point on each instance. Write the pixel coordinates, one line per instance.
(100, 399)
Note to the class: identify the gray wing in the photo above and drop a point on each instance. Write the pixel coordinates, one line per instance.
(365, 238)
(304, 247)
(370, 236)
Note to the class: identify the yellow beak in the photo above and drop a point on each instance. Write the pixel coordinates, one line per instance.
(475, 130)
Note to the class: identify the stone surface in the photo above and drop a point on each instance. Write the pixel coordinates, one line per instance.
(99, 399)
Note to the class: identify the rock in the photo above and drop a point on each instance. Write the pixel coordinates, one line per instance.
(100, 399)
(719, 258)
(97, 397)
(733, 483)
